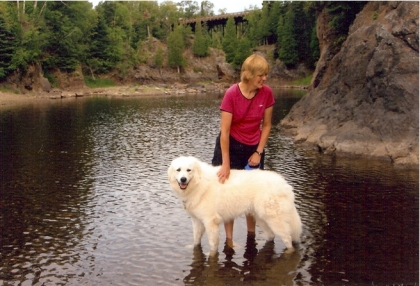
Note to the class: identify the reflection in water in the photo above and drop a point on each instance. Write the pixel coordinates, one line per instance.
(84, 200)
(259, 267)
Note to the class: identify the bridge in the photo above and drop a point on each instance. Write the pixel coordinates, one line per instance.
(217, 20)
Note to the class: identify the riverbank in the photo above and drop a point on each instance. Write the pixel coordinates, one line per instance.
(9, 98)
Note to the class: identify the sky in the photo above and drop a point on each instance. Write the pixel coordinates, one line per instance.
(231, 6)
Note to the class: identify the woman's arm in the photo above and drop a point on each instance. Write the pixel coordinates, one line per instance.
(225, 123)
(255, 158)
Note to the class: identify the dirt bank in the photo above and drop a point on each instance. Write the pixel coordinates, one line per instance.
(8, 98)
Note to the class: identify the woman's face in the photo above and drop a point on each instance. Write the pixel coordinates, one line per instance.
(259, 80)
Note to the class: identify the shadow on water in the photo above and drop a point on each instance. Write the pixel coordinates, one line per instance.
(84, 200)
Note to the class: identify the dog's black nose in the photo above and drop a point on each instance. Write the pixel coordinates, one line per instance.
(183, 179)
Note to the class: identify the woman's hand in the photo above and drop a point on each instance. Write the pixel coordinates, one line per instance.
(223, 173)
(254, 160)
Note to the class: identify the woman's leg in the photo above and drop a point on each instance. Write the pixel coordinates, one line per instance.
(229, 229)
(229, 233)
(250, 223)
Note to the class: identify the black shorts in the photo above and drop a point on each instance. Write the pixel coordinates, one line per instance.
(239, 154)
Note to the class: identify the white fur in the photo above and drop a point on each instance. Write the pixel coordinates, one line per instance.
(264, 194)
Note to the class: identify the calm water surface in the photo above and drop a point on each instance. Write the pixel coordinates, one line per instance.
(84, 200)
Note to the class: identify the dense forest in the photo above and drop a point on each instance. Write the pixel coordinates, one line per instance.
(117, 35)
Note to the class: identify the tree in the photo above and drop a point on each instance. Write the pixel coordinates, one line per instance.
(230, 41)
(254, 26)
(206, 8)
(243, 51)
(190, 8)
(169, 15)
(175, 48)
(65, 34)
(7, 48)
(201, 43)
(159, 57)
(98, 54)
(288, 53)
(342, 16)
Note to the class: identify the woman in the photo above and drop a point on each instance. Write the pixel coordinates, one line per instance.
(246, 112)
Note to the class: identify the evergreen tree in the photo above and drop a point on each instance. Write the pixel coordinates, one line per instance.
(243, 51)
(254, 19)
(264, 25)
(7, 48)
(66, 36)
(201, 44)
(175, 48)
(98, 53)
(301, 29)
(288, 53)
(230, 41)
(159, 57)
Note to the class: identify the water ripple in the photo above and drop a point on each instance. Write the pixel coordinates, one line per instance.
(93, 206)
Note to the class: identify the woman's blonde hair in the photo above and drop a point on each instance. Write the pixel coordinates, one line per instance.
(254, 65)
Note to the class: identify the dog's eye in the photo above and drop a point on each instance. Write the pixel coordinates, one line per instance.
(178, 170)
(188, 170)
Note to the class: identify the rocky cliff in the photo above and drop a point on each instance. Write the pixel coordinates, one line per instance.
(364, 100)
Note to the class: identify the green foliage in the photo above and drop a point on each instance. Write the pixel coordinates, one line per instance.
(7, 48)
(8, 89)
(342, 16)
(201, 41)
(65, 44)
(304, 81)
(176, 46)
(190, 8)
(159, 57)
(288, 53)
(52, 80)
(98, 82)
(254, 26)
(230, 41)
(99, 52)
(243, 51)
(314, 46)
(117, 35)
(206, 8)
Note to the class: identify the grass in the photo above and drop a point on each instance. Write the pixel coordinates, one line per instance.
(98, 82)
(303, 81)
(7, 89)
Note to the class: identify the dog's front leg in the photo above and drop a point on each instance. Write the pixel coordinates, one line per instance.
(212, 229)
(198, 230)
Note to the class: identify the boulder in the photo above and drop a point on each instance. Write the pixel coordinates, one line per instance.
(364, 100)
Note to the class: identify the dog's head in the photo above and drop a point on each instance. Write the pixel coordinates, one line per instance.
(183, 173)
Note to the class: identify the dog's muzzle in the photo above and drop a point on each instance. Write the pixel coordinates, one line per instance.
(183, 183)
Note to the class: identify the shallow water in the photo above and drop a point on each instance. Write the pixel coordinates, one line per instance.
(85, 201)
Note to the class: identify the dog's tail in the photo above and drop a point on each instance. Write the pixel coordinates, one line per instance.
(296, 226)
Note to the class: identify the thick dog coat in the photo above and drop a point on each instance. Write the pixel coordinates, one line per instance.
(264, 194)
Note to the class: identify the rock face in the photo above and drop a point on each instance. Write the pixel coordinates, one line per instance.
(364, 100)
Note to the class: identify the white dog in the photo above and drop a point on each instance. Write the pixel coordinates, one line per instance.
(264, 194)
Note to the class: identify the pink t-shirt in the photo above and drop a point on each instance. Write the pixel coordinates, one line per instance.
(247, 114)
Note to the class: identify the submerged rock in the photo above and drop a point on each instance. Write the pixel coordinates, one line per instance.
(364, 100)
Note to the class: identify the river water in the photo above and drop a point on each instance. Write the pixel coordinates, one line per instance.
(84, 200)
